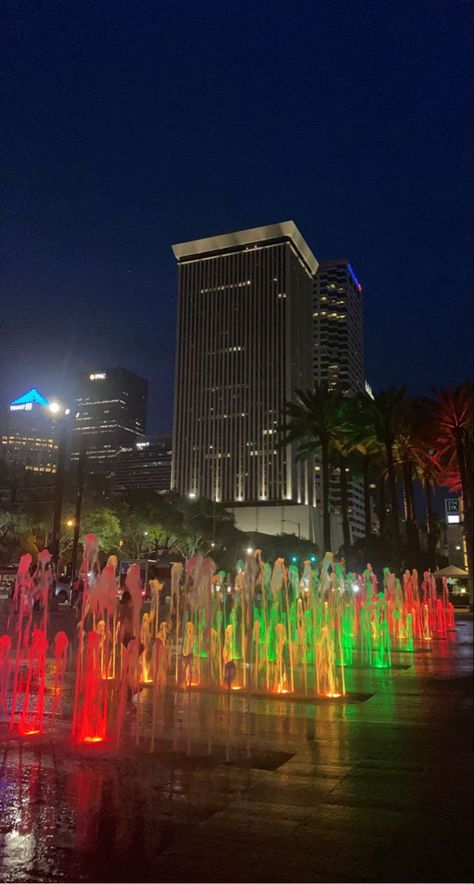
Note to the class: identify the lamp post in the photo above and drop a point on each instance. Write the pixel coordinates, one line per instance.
(81, 464)
(60, 414)
(289, 522)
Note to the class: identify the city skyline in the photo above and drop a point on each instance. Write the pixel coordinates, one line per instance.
(88, 219)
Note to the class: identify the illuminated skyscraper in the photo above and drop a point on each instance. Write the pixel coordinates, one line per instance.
(243, 346)
(338, 326)
(110, 414)
(29, 434)
(338, 316)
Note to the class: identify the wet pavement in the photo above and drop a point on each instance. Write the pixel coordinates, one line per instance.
(245, 789)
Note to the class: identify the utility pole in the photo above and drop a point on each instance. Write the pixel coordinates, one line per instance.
(58, 497)
(81, 465)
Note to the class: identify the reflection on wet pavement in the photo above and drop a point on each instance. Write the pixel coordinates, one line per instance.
(258, 790)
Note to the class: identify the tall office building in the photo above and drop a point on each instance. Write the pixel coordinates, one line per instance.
(338, 326)
(243, 347)
(145, 465)
(110, 414)
(29, 434)
(339, 354)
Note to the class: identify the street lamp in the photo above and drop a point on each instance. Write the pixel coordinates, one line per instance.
(59, 413)
(289, 522)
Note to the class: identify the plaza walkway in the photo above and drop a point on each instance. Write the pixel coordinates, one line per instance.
(379, 789)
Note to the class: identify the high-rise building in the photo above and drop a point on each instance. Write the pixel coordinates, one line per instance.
(339, 355)
(338, 326)
(110, 414)
(243, 346)
(144, 465)
(29, 437)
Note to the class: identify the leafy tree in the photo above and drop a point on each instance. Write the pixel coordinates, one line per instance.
(17, 536)
(105, 524)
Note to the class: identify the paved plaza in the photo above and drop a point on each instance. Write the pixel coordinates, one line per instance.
(239, 789)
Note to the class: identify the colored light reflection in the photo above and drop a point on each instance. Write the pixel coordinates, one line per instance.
(93, 740)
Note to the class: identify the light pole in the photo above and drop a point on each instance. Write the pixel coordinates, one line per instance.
(77, 516)
(59, 413)
(289, 522)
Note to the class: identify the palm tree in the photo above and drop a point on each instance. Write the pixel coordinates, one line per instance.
(383, 414)
(315, 422)
(428, 472)
(370, 453)
(348, 463)
(410, 443)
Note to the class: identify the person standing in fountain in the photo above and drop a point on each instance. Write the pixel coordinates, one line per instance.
(126, 617)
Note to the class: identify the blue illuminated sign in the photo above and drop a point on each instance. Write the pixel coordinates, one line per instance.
(26, 402)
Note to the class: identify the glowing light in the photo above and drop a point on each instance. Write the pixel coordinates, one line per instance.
(249, 550)
(30, 732)
(355, 588)
(54, 407)
(93, 740)
(98, 376)
(333, 695)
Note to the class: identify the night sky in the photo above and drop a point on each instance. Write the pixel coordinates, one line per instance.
(129, 126)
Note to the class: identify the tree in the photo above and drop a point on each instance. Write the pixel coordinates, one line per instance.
(383, 414)
(17, 536)
(105, 524)
(315, 422)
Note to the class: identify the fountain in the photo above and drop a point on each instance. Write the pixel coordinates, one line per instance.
(283, 632)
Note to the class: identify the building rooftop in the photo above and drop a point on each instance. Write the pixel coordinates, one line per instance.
(286, 230)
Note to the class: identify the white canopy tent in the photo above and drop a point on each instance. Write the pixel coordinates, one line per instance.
(452, 571)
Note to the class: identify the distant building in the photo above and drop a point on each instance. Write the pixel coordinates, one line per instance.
(145, 465)
(455, 536)
(29, 434)
(243, 347)
(338, 324)
(110, 415)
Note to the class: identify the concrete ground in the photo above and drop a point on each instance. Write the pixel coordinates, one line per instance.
(258, 790)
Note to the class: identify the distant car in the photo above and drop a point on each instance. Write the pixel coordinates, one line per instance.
(7, 580)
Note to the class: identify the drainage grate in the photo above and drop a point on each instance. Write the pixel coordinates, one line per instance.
(200, 755)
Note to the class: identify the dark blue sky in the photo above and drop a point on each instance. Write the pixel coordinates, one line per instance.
(131, 125)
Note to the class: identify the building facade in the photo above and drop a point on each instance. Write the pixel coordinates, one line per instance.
(243, 347)
(145, 465)
(29, 435)
(110, 414)
(338, 324)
